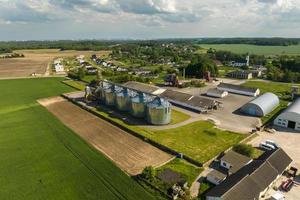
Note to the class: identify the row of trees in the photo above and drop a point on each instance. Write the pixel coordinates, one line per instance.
(252, 41)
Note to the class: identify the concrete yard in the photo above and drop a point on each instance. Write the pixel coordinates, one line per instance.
(128, 152)
(288, 141)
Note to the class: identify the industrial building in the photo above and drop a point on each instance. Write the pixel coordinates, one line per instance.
(195, 103)
(238, 89)
(216, 93)
(142, 87)
(262, 105)
(240, 74)
(157, 110)
(254, 179)
(290, 117)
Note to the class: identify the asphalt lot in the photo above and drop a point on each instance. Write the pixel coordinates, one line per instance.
(228, 117)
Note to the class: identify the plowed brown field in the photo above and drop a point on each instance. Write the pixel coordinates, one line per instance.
(36, 61)
(128, 152)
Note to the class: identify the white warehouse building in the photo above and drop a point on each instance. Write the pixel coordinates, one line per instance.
(290, 117)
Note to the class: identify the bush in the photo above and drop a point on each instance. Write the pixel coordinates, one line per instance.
(148, 173)
(244, 149)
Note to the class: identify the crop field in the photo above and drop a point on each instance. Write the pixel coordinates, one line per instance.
(36, 61)
(43, 159)
(128, 152)
(254, 49)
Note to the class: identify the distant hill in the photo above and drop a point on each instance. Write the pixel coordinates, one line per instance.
(253, 41)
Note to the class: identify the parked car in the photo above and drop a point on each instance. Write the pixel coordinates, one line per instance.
(271, 142)
(270, 130)
(287, 185)
(266, 146)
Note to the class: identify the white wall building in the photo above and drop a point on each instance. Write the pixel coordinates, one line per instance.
(290, 117)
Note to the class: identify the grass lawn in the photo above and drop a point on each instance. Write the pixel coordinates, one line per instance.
(178, 117)
(282, 90)
(189, 172)
(75, 84)
(223, 70)
(199, 140)
(43, 159)
(255, 49)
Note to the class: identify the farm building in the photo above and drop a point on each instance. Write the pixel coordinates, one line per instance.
(159, 112)
(142, 87)
(290, 117)
(262, 105)
(238, 89)
(252, 180)
(195, 103)
(233, 161)
(240, 75)
(216, 93)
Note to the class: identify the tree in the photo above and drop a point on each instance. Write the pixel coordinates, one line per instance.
(148, 173)
(81, 73)
(244, 149)
(200, 65)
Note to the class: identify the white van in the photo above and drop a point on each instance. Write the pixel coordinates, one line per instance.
(266, 146)
(271, 142)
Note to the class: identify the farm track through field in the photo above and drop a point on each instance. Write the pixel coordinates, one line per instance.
(130, 153)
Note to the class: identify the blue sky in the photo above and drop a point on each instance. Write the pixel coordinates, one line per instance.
(147, 19)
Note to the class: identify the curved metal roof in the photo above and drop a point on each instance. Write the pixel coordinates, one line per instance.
(266, 102)
(294, 107)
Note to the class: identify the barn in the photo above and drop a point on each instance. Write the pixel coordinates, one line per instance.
(216, 93)
(238, 89)
(290, 117)
(262, 105)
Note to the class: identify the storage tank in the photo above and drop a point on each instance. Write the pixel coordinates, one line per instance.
(159, 112)
(123, 99)
(110, 95)
(138, 105)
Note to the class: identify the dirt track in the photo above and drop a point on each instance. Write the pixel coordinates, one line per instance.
(130, 153)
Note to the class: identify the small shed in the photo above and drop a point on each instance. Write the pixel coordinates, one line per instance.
(233, 161)
(215, 177)
(216, 93)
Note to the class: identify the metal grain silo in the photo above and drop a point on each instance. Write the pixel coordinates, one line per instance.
(123, 99)
(138, 105)
(159, 112)
(110, 95)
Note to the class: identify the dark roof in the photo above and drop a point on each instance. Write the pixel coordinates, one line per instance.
(239, 72)
(142, 87)
(169, 176)
(278, 158)
(247, 189)
(217, 174)
(236, 160)
(250, 180)
(196, 102)
(237, 87)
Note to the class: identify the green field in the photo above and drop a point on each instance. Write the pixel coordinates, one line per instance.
(43, 159)
(199, 140)
(255, 49)
(188, 171)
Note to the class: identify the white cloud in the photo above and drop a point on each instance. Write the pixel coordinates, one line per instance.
(200, 18)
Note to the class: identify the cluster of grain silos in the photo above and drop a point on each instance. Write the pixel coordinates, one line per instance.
(156, 110)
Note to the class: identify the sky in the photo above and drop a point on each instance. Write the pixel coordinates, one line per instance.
(147, 19)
